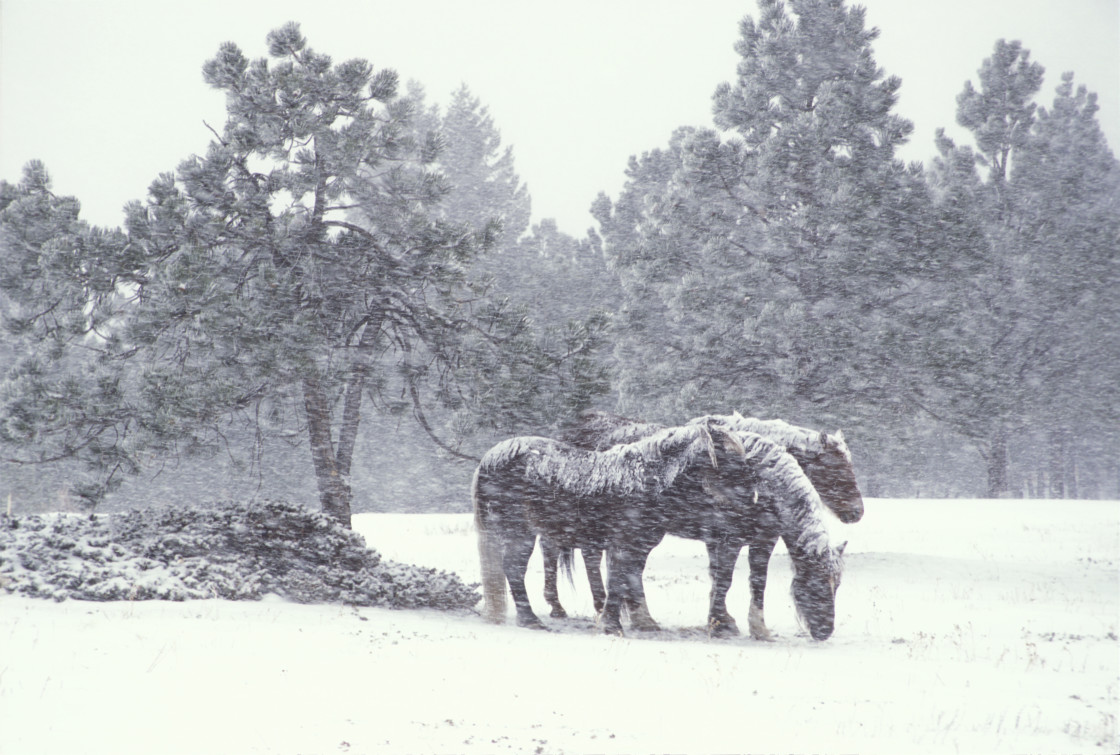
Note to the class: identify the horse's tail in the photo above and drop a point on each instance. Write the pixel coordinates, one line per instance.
(489, 559)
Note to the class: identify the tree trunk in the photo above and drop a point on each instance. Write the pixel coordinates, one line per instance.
(1057, 450)
(997, 465)
(352, 401)
(332, 464)
(334, 488)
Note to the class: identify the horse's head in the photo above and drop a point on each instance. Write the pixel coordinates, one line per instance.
(829, 467)
(816, 578)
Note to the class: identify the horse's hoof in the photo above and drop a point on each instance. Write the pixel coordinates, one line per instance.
(558, 613)
(533, 623)
(645, 626)
(758, 626)
(614, 628)
(718, 628)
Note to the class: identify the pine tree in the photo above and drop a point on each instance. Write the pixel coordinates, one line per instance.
(300, 266)
(777, 249)
(482, 183)
(1066, 191)
(59, 297)
(479, 171)
(1021, 372)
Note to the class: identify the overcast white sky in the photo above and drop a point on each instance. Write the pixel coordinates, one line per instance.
(109, 93)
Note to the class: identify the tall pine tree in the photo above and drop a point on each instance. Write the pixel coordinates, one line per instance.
(1039, 193)
(763, 263)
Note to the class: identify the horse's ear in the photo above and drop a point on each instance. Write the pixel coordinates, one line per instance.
(706, 431)
(736, 414)
(840, 548)
(823, 439)
(839, 436)
(731, 442)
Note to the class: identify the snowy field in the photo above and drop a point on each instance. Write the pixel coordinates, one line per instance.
(962, 626)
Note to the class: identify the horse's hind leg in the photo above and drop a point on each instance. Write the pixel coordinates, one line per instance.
(515, 562)
(758, 556)
(721, 566)
(550, 555)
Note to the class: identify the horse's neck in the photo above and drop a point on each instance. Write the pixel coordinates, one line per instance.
(803, 525)
(799, 505)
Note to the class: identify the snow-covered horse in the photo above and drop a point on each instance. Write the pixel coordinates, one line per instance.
(618, 499)
(824, 458)
(827, 463)
(627, 498)
(789, 507)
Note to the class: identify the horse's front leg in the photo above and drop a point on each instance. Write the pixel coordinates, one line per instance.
(636, 605)
(592, 558)
(722, 556)
(758, 556)
(620, 583)
(515, 562)
(550, 555)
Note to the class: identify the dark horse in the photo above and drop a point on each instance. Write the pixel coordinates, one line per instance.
(824, 458)
(625, 499)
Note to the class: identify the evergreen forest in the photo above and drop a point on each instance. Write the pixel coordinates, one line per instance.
(345, 300)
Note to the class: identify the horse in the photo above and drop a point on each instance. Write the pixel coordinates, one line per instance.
(627, 498)
(824, 458)
(827, 462)
(789, 507)
(621, 499)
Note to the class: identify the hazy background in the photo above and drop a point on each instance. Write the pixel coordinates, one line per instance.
(109, 93)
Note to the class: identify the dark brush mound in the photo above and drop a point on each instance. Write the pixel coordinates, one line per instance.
(231, 551)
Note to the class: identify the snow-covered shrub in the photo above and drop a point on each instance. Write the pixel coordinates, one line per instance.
(232, 551)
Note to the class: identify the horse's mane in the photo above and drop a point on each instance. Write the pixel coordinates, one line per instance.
(790, 436)
(595, 425)
(784, 482)
(628, 433)
(651, 464)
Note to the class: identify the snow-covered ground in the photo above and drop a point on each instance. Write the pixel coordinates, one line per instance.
(962, 626)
